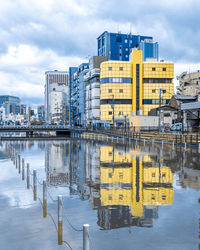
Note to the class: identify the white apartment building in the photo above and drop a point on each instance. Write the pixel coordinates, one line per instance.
(56, 96)
(189, 83)
(92, 91)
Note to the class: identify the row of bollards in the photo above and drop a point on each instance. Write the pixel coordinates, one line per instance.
(20, 165)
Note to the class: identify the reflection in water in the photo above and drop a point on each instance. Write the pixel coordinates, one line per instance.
(125, 185)
(133, 186)
(57, 163)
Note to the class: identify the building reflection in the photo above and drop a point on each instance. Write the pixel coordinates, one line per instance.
(57, 163)
(126, 188)
(131, 189)
(189, 176)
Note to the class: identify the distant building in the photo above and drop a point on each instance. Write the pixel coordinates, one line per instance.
(56, 94)
(41, 113)
(189, 83)
(23, 109)
(10, 103)
(77, 94)
(30, 113)
(117, 46)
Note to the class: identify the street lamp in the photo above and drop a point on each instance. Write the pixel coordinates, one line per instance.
(161, 91)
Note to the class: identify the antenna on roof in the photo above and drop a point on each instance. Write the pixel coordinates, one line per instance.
(118, 31)
(130, 29)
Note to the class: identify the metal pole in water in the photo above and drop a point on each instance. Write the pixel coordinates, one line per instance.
(185, 145)
(59, 219)
(199, 148)
(144, 142)
(28, 176)
(44, 199)
(117, 139)
(86, 242)
(173, 145)
(34, 185)
(16, 160)
(19, 162)
(162, 144)
(22, 168)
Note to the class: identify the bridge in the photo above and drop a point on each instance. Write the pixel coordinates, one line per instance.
(30, 130)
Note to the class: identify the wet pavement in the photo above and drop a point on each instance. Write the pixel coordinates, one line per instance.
(133, 196)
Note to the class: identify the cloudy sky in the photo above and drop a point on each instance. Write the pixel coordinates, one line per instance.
(41, 35)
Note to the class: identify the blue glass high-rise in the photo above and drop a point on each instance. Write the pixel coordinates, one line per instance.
(117, 46)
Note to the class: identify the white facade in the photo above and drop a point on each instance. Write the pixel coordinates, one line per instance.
(56, 95)
(57, 103)
(92, 91)
(92, 96)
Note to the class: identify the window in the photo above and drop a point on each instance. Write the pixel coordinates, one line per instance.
(109, 197)
(121, 197)
(110, 175)
(126, 56)
(110, 91)
(153, 69)
(109, 68)
(121, 175)
(110, 112)
(118, 39)
(164, 69)
(121, 91)
(157, 80)
(126, 49)
(153, 91)
(125, 40)
(121, 68)
(54, 89)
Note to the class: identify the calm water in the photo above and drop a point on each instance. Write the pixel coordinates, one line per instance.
(136, 197)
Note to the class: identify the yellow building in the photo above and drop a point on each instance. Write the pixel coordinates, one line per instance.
(134, 87)
(129, 183)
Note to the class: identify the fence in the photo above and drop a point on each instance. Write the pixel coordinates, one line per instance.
(126, 137)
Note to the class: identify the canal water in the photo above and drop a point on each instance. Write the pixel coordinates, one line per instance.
(132, 196)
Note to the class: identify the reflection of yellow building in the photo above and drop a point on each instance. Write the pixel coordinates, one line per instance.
(125, 181)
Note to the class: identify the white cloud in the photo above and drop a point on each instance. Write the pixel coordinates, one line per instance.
(37, 36)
